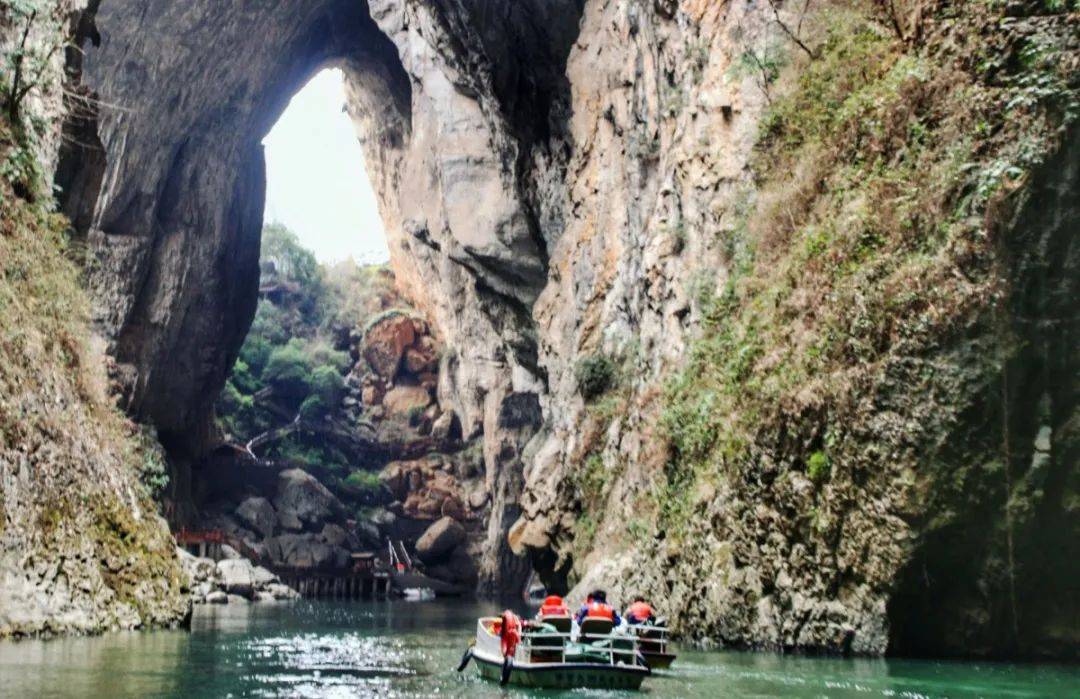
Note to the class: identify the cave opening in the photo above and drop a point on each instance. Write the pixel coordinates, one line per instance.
(336, 380)
(316, 176)
(323, 274)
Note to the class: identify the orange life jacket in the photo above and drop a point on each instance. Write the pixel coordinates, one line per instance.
(510, 633)
(600, 610)
(554, 606)
(639, 611)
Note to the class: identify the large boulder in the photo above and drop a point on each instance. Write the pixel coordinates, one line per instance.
(263, 577)
(289, 522)
(306, 552)
(229, 552)
(335, 535)
(440, 540)
(237, 576)
(259, 515)
(459, 569)
(368, 533)
(303, 499)
(403, 400)
(421, 359)
(426, 488)
(385, 343)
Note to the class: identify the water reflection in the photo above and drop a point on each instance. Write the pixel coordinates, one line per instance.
(119, 664)
(399, 649)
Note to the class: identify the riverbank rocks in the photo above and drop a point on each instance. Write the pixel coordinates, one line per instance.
(231, 580)
(306, 552)
(237, 576)
(459, 569)
(258, 514)
(335, 535)
(427, 489)
(440, 540)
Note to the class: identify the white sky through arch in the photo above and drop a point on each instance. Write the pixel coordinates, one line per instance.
(316, 183)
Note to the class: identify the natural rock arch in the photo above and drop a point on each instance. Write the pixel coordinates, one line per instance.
(164, 176)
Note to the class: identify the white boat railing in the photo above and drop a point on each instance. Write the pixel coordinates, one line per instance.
(619, 648)
(651, 637)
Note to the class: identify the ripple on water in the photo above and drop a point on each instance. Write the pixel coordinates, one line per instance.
(322, 665)
(392, 649)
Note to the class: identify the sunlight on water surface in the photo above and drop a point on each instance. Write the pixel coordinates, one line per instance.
(398, 649)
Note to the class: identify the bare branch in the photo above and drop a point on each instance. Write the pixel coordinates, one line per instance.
(16, 94)
(894, 18)
(793, 35)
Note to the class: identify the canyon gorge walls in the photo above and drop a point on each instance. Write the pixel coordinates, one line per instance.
(82, 546)
(173, 218)
(765, 310)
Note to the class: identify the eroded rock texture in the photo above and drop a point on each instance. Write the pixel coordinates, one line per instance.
(560, 181)
(449, 100)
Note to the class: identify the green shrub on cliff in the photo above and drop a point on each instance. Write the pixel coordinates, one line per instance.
(154, 471)
(595, 375)
(818, 466)
(286, 261)
(35, 38)
(254, 354)
(288, 370)
(364, 481)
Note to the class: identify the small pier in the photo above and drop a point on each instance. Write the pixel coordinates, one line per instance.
(338, 585)
(366, 578)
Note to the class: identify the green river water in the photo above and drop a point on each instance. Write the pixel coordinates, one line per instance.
(401, 649)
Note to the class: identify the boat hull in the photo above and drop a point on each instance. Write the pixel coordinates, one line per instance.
(658, 661)
(565, 675)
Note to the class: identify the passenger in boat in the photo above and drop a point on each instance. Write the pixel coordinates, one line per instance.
(584, 608)
(640, 612)
(596, 607)
(509, 632)
(553, 606)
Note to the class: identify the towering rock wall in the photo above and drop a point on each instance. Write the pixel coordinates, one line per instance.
(82, 547)
(663, 206)
(771, 488)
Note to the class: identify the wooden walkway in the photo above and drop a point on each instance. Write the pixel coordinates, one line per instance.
(364, 580)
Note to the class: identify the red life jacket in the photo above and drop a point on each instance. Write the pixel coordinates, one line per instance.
(554, 606)
(600, 610)
(639, 611)
(510, 633)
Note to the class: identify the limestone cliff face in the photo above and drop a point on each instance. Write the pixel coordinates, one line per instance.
(448, 103)
(82, 546)
(574, 186)
(888, 503)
